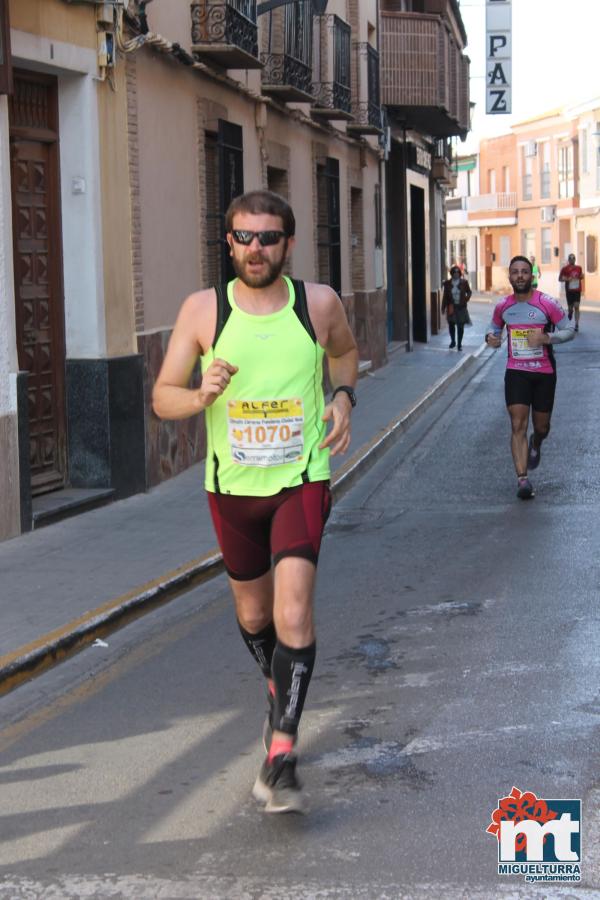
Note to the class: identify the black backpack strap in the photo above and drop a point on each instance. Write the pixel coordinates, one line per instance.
(223, 310)
(301, 308)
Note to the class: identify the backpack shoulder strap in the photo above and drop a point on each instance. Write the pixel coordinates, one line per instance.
(301, 308)
(223, 310)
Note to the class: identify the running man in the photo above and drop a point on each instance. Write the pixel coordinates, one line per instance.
(261, 339)
(572, 277)
(530, 379)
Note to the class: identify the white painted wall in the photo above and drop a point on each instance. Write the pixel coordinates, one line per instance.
(8, 344)
(76, 68)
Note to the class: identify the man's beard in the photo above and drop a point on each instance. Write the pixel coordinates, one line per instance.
(269, 276)
(522, 288)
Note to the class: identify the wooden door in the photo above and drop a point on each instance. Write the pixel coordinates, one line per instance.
(38, 272)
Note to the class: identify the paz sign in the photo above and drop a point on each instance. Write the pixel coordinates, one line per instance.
(498, 54)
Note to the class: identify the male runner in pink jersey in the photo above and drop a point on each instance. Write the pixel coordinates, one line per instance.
(530, 379)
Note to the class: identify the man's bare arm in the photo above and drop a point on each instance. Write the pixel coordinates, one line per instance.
(171, 397)
(334, 334)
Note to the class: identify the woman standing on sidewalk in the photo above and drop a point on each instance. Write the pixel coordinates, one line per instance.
(457, 294)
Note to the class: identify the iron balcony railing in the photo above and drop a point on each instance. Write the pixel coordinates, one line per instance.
(488, 202)
(331, 68)
(287, 52)
(226, 33)
(366, 104)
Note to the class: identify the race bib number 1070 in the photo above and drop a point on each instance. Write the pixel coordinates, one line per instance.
(266, 432)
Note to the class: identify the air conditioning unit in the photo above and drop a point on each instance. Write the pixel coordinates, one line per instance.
(548, 213)
(531, 148)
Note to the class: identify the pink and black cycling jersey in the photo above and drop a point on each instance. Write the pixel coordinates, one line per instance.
(523, 316)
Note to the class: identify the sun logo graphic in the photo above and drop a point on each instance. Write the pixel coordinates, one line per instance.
(540, 839)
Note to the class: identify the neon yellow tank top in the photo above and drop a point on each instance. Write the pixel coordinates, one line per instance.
(264, 431)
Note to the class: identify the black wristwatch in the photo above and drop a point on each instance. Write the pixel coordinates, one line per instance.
(347, 390)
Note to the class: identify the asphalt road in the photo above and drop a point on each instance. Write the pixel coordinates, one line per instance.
(457, 657)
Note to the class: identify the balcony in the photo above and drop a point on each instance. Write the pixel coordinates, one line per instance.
(226, 33)
(331, 68)
(455, 204)
(493, 209)
(456, 212)
(424, 75)
(441, 166)
(287, 53)
(366, 106)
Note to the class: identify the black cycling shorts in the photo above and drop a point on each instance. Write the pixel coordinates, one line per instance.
(573, 297)
(253, 530)
(535, 389)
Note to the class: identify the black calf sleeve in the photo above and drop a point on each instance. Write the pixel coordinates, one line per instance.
(292, 670)
(261, 646)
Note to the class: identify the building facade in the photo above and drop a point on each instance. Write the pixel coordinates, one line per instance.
(127, 130)
(539, 195)
(425, 92)
(462, 237)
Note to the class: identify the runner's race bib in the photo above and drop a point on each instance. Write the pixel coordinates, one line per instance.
(520, 349)
(266, 432)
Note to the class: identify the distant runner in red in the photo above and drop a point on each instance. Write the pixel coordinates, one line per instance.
(572, 277)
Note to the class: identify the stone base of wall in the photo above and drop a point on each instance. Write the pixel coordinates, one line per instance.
(171, 447)
(10, 518)
(105, 409)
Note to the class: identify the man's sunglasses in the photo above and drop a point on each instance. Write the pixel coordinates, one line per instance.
(265, 238)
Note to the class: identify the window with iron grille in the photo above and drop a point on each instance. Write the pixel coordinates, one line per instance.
(224, 181)
(341, 52)
(328, 224)
(298, 31)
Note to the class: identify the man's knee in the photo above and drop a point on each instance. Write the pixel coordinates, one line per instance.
(542, 429)
(252, 619)
(518, 425)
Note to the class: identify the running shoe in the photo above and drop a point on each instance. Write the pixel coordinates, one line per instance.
(533, 460)
(525, 489)
(577, 328)
(278, 787)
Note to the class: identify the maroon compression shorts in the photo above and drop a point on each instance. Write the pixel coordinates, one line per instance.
(251, 530)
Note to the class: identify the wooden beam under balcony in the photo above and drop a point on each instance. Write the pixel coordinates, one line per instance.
(424, 75)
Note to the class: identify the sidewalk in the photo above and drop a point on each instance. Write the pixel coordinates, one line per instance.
(71, 582)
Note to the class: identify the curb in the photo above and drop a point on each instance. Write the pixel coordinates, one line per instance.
(32, 659)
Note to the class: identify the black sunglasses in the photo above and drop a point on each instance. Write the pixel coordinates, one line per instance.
(265, 238)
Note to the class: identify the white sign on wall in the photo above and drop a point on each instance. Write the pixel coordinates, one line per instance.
(498, 53)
